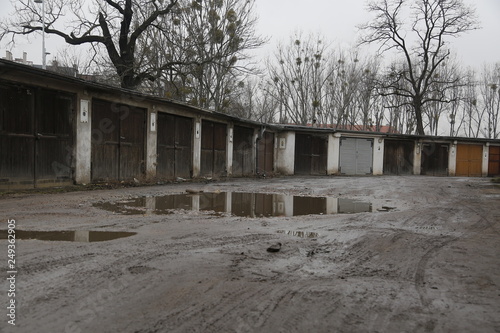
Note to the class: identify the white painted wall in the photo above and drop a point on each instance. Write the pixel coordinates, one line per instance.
(452, 159)
(285, 157)
(333, 155)
(378, 156)
(486, 157)
(83, 140)
(196, 147)
(229, 149)
(151, 146)
(254, 150)
(417, 158)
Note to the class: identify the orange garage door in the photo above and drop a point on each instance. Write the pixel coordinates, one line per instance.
(469, 160)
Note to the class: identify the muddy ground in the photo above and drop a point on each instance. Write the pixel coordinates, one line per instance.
(432, 264)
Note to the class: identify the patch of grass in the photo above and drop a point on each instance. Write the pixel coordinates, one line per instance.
(496, 180)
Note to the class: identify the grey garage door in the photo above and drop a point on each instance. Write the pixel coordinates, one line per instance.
(356, 156)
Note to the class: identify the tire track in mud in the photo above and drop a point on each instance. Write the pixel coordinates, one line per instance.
(421, 269)
(239, 300)
(114, 275)
(478, 226)
(244, 307)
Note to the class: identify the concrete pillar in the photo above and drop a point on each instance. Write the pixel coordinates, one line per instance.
(254, 150)
(275, 153)
(285, 157)
(196, 147)
(229, 149)
(486, 157)
(378, 156)
(333, 155)
(83, 141)
(452, 159)
(417, 158)
(151, 144)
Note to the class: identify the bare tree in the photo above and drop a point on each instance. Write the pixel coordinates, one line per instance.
(299, 75)
(223, 30)
(456, 111)
(115, 25)
(350, 94)
(473, 114)
(421, 39)
(368, 99)
(490, 95)
(442, 94)
(343, 89)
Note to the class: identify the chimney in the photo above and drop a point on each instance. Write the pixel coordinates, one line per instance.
(25, 57)
(8, 55)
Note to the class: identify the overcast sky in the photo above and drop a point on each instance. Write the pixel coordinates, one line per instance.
(336, 20)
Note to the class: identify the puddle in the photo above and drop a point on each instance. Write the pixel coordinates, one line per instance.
(237, 204)
(301, 234)
(69, 236)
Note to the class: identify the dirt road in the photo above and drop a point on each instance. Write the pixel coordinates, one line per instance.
(428, 262)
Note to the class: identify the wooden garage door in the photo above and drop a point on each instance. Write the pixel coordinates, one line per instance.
(469, 160)
(356, 156)
(242, 151)
(118, 134)
(398, 157)
(310, 154)
(265, 154)
(213, 149)
(174, 147)
(494, 161)
(36, 137)
(434, 159)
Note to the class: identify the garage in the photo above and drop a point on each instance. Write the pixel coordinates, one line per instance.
(356, 156)
(434, 159)
(118, 134)
(494, 161)
(469, 160)
(213, 149)
(265, 154)
(398, 157)
(242, 151)
(174, 146)
(310, 154)
(36, 137)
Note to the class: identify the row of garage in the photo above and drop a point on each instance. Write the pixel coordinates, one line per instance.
(41, 133)
(57, 130)
(402, 155)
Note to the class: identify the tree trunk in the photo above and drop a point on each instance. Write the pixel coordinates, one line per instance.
(417, 106)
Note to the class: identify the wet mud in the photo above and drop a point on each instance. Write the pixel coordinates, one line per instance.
(411, 254)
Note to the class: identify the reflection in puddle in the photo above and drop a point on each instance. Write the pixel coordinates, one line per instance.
(237, 204)
(301, 234)
(69, 236)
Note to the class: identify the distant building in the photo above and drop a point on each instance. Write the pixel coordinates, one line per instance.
(23, 60)
(64, 70)
(54, 66)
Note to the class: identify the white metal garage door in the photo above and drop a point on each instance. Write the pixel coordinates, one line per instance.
(356, 156)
